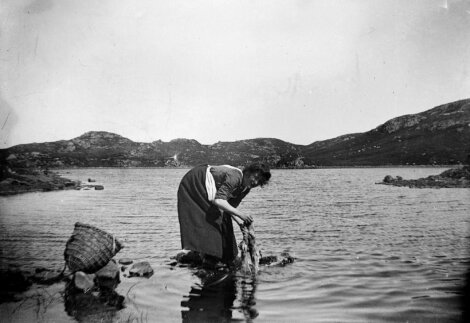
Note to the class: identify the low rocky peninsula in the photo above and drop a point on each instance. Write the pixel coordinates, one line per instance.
(451, 178)
(23, 180)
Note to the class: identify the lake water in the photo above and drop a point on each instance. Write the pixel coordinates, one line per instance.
(364, 252)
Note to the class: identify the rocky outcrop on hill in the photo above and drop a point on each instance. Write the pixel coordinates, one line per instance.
(434, 137)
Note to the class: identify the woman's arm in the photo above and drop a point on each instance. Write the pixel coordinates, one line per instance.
(226, 207)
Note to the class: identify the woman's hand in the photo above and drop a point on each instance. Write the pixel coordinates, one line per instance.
(240, 222)
(247, 219)
(236, 214)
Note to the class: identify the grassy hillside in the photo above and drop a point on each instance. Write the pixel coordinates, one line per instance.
(437, 136)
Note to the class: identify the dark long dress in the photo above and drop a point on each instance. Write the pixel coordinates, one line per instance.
(204, 228)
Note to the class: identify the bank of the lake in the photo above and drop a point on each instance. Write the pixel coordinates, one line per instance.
(27, 180)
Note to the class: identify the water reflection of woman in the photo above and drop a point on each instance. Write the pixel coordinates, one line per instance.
(218, 302)
(208, 197)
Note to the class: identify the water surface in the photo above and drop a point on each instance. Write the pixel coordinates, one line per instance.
(364, 252)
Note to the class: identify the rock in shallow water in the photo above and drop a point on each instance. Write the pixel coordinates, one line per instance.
(388, 179)
(46, 276)
(274, 261)
(84, 282)
(110, 271)
(125, 261)
(189, 257)
(286, 260)
(141, 269)
(267, 260)
(108, 276)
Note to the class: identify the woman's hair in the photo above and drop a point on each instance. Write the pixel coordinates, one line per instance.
(261, 169)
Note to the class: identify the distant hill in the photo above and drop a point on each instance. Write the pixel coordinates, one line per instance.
(437, 136)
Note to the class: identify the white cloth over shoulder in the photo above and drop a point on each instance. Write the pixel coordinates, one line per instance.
(210, 185)
(210, 182)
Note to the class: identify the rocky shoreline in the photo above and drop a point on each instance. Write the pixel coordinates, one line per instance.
(24, 180)
(451, 178)
(98, 287)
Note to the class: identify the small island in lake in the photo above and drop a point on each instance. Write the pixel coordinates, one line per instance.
(451, 178)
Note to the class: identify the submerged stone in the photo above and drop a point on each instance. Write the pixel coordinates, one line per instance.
(141, 269)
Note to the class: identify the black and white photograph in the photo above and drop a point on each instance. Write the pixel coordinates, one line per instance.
(234, 161)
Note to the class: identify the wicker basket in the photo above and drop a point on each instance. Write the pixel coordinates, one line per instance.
(89, 249)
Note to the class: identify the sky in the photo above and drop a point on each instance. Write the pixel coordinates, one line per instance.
(298, 70)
